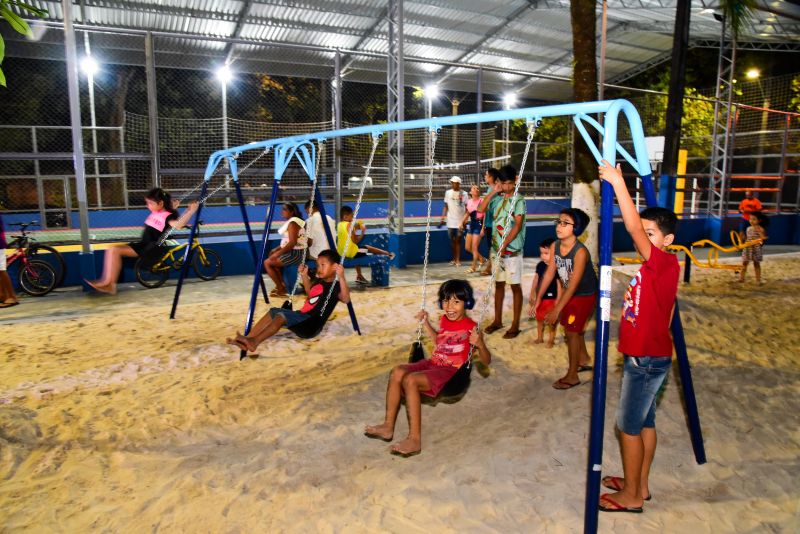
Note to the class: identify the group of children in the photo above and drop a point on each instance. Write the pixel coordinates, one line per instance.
(564, 291)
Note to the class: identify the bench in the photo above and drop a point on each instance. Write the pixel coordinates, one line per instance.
(379, 268)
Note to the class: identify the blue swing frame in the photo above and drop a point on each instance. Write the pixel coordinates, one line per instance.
(288, 147)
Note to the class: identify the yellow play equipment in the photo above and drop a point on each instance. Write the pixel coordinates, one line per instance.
(713, 252)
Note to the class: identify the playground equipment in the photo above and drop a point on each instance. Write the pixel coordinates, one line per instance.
(302, 148)
(713, 254)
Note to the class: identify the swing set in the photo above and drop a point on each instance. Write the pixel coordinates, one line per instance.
(302, 148)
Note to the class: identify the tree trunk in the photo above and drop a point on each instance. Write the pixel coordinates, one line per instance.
(584, 89)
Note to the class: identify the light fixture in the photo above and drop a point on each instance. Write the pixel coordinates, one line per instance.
(752, 74)
(509, 100)
(706, 11)
(224, 74)
(431, 91)
(89, 66)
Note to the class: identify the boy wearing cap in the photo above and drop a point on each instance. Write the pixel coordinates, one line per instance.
(455, 207)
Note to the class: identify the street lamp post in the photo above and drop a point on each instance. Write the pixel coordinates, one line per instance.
(755, 74)
(224, 75)
(90, 67)
(509, 101)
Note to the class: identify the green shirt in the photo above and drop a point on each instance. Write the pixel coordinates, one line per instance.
(487, 219)
(499, 213)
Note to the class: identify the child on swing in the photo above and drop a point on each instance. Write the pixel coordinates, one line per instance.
(456, 336)
(308, 322)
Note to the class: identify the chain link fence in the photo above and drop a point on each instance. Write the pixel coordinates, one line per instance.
(198, 113)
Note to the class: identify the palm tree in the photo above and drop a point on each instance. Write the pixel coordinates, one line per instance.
(585, 185)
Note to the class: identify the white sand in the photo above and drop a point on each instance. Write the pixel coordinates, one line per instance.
(119, 420)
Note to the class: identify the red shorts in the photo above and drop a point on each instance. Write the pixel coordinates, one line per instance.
(577, 312)
(544, 306)
(438, 375)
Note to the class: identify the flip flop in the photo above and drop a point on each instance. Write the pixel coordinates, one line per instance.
(376, 436)
(617, 507)
(511, 334)
(492, 328)
(8, 304)
(405, 454)
(583, 368)
(616, 484)
(560, 384)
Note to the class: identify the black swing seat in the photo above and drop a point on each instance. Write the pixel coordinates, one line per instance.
(455, 388)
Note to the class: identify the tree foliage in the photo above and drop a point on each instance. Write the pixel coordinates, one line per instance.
(17, 23)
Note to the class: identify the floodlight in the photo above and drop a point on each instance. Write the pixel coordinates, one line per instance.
(89, 66)
(224, 74)
(752, 74)
(431, 91)
(509, 100)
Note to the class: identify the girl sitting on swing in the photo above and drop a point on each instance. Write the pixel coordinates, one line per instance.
(456, 336)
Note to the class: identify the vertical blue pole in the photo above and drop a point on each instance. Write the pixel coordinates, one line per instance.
(688, 388)
(599, 380)
(250, 240)
(188, 253)
(257, 278)
(321, 207)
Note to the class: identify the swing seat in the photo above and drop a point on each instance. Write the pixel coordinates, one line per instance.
(455, 388)
(379, 267)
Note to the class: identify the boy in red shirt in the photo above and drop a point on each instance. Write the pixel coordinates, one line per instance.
(645, 340)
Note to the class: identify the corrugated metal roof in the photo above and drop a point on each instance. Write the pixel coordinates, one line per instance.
(508, 34)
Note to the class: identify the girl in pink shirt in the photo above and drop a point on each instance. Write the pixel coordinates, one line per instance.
(473, 223)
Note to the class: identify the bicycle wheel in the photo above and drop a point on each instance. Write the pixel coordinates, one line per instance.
(37, 278)
(207, 264)
(48, 254)
(149, 277)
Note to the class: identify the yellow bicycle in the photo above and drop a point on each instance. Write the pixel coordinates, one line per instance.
(205, 262)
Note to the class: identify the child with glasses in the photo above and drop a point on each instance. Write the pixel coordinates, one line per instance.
(573, 265)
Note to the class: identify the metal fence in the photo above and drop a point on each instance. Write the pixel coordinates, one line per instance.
(153, 116)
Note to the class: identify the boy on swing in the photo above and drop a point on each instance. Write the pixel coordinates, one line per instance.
(308, 322)
(646, 342)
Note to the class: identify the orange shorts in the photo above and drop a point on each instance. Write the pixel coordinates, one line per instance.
(577, 312)
(544, 306)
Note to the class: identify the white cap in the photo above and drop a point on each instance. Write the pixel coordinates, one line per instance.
(455, 179)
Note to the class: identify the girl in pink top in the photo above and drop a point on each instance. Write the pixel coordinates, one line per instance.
(473, 223)
(163, 214)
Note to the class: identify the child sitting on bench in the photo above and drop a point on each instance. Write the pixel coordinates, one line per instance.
(357, 231)
(308, 322)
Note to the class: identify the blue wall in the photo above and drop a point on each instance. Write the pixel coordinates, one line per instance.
(237, 258)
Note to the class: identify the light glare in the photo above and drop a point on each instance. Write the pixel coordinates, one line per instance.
(89, 66)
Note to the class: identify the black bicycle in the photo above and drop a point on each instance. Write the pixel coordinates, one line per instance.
(36, 251)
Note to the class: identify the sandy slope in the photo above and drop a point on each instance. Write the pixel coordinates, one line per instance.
(123, 421)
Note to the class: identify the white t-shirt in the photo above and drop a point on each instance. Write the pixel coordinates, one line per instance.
(316, 231)
(456, 207)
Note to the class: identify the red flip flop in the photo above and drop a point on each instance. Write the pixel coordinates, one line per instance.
(615, 506)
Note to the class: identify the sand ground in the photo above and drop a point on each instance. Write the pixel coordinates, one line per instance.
(115, 419)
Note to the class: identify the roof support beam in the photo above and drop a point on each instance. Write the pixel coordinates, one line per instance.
(237, 32)
(348, 60)
(445, 73)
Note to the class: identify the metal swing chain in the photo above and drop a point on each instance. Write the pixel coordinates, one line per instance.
(532, 124)
(433, 135)
(209, 195)
(297, 281)
(375, 139)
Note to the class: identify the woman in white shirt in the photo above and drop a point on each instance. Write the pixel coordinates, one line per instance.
(290, 251)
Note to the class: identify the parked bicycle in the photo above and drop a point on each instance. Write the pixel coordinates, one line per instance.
(39, 251)
(36, 277)
(205, 262)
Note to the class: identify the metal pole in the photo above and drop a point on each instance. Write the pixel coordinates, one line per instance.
(152, 109)
(93, 122)
(337, 125)
(79, 163)
(39, 184)
(602, 73)
(782, 169)
(478, 128)
(187, 255)
(250, 240)
(694, 195)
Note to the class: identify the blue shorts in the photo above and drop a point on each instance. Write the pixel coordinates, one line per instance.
(474, 227)
(292, 318)
(642, 379)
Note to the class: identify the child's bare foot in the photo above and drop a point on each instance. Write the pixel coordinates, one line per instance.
(538, 340)
(407, 447)
(382, 431)
(244, 343)
(549, 344)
